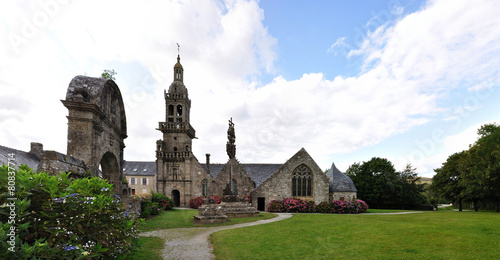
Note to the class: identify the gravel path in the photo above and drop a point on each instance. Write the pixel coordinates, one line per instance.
(193, 243)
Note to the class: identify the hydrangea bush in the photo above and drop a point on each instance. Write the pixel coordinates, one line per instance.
(296, 205)
(64, 218)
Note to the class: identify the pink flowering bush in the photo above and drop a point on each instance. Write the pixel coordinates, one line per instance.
(198, 201)
(300, 206)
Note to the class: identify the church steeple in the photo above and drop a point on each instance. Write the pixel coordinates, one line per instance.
(178, 70)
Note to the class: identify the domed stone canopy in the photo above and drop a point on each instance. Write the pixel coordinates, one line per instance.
(340, 182)
(177, 87)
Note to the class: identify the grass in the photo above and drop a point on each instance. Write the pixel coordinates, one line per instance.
(181, 218)
(427, 235)
(147, 248)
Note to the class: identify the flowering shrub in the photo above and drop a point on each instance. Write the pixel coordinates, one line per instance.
(301, 206)
(59, 217)
(154, 204)
(165, 202)
(198, 201)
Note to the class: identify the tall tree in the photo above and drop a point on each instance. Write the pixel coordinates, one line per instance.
(483, 175)
(411, 191)
(376, 181)
(449, 179)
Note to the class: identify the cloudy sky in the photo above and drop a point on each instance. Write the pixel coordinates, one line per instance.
(410, 81)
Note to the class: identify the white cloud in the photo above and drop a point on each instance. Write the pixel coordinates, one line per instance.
(410, 66)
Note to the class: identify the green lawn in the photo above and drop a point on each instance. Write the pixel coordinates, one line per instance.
(181, 218)
(427, 235)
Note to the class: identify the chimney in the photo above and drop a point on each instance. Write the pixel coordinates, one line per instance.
(208, 163)
(36, 149)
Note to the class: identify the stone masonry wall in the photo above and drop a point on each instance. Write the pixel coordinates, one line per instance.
(245, 184)
(279, 185)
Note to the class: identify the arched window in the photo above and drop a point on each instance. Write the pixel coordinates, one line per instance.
(171, 110)
(235, 187)
(179, 110)
(302, 181)
(204, 187)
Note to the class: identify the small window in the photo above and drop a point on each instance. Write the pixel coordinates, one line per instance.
(132, 181)
(144, 191)
(144, 181)
(133, 191)
(179, 110)
(145, 170)
(135, 169)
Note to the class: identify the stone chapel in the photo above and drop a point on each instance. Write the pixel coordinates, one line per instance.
(181, 176)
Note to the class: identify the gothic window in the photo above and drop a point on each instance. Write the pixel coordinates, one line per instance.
(174, 174)
(171, 110)
(235, 187)
(302, 181)
(204, 187)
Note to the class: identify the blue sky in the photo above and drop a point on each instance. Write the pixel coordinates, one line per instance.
(410, 81)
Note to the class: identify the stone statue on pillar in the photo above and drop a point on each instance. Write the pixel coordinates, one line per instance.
(230, 146)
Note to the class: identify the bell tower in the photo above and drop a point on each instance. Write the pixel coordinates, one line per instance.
(173, 153)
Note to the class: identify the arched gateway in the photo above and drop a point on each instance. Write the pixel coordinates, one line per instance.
(97, 127)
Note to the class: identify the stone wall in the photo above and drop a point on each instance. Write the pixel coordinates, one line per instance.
(345, 195)
(233, 168)
(184, 176)
(279, 185)
(54, 163)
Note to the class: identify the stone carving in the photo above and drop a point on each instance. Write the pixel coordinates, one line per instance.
(230, 146)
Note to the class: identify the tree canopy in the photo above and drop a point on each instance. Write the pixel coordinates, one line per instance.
(378, 182)
(473, 174)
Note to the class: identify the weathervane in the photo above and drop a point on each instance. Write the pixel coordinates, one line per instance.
(178, 49)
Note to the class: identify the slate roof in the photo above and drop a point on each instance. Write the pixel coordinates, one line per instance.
(20, 157)
(139, 168)
(339, 182)
(259, 172)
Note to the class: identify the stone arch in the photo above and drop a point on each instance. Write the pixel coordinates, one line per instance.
(110, 169)
(97, 127)
(176, 196)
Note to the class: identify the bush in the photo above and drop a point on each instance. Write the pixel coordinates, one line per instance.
(198, 201)
(301, 206)
(154, 204)
(59, 217)
(165, 202)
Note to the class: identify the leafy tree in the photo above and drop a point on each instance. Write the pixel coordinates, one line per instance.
(379, 183)
(448, 180)
(483, 166)
(411, 191)
(376, 181)
(108, 74)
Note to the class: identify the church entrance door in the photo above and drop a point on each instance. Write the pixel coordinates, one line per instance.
(176, 196)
